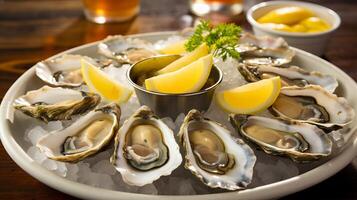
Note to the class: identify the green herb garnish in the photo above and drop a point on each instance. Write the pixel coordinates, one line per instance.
(221, 39)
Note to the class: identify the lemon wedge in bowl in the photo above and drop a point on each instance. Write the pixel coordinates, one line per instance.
(199, 52)
(99, 82)
(286, 15)
(190, 78)
(250, 98)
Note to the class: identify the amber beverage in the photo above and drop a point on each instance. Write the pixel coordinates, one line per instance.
(102, 11)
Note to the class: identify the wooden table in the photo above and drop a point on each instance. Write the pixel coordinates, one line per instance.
(32, 30)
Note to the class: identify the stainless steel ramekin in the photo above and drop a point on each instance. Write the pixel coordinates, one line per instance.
(171, 105)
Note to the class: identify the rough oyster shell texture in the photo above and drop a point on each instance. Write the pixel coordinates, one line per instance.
(142, 155)
(49, 104)
(216, 158)
(300, 141)
(84, 137)
(125, 50)
(313, 104)
(290, 76)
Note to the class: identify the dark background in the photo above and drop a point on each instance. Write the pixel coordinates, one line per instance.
(32, 30)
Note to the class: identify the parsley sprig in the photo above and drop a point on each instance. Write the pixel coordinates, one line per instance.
(221, 39)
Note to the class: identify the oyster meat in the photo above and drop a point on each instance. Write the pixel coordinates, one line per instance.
(213, 155)
(84, 137)
(290, 76)
(145, 149)
(50, 104)
(313, 104)
(64, 71)
(125, 50)
(300, 141)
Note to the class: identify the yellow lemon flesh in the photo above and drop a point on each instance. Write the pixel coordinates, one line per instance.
(199, 52)
(250, 98)
(315, 24)
(286, 15)
(174, 48)
(282, 27)
(101, 83)
(299, 28)
(190, 78)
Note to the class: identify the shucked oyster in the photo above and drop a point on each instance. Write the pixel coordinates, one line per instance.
(64, 71)
(313, 104)
(300, 141)
(85, 137)
(213, 155)
(275, 57)
(249, 42)
(145, 149)
(264, 50)
(290, 76)
(125, 50)
(49, 104)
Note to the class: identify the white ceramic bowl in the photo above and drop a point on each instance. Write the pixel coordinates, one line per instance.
(312, 42)
(13, 140)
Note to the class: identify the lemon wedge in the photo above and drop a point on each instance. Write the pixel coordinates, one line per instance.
(199, 52)
(101, 83)
(282, 27)
(250, 98)
(190, 78)
(299, 28)
(278, 27)
(286, 15)
(315, 24)
(174, 48)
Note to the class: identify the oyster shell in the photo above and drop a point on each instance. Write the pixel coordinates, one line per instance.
(264, 50)
(145, 149)
(85, 137)
(64, 71)
(300, 141)
(313, 104)
(249, 42)
(49, 104)
(125, 50)
(213, 155)
(290, 76)
(275, 57)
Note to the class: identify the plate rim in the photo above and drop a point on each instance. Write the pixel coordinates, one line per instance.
(273, 190)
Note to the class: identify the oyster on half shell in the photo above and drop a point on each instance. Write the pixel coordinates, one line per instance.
(145, 149)
(64, 71)
(275, 57)
(264, 50)
(314, 105)
(290, 76)
(84, 137)
(50, 104)
(125, 50)
(213, 155)
(300, 141)
(250, 42)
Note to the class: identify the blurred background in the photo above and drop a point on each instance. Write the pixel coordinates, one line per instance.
(44, 22)
(37, 29)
